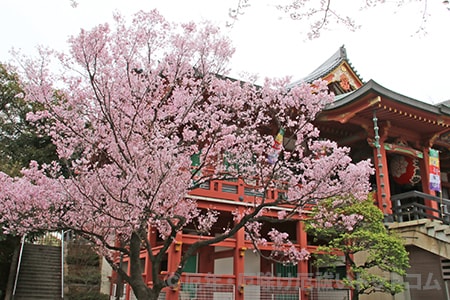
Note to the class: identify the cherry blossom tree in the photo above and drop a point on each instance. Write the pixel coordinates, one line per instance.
(325, 14)
(129, 107)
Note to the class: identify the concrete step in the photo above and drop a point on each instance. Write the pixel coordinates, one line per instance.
(41, 297)
(40, 273)
(439, 231)
(432, 224)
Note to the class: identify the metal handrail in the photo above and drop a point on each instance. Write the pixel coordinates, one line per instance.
(62, 264)
(22, 241)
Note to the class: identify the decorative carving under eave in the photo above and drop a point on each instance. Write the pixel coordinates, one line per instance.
(432, 140)
(402, 149)
(344, 82)
(445, 137)
(385, 126)
(399, 149)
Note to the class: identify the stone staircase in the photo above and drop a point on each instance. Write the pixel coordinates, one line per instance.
(40, 273)
(430, 235)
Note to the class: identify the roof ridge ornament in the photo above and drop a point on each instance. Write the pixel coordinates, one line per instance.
(343, 52)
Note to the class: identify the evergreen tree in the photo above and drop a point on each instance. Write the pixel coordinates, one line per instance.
(20, 140)
(371, 252)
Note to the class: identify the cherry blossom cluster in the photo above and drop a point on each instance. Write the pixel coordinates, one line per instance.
(129, 107)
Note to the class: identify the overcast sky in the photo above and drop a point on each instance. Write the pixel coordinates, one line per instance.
(386, 48)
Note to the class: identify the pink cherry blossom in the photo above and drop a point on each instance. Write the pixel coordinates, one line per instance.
(130, 105)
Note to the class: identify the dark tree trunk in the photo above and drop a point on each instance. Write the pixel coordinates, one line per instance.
(355, 294)
(136, 281)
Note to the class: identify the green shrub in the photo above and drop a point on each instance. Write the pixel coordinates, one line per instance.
(80, 254)
(91, 295)
(88, 259)
(83, 278)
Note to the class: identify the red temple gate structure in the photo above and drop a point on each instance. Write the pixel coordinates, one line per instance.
(398, 134)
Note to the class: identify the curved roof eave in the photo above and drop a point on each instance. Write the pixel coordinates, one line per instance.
(372, 86)
(444, 107)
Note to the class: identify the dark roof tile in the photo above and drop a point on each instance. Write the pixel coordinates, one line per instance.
(329, 65)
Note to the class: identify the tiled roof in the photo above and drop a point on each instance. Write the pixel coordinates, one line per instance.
(445, 103)
(371, 85)
(324, 69)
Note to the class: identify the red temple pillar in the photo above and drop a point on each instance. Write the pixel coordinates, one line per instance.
(152, 234)
(238, 262)
(206, 263)
(383, 193)
(173, 260)
(266, 266)
(302, 267)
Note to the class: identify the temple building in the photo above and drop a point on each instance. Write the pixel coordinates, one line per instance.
(408, 142)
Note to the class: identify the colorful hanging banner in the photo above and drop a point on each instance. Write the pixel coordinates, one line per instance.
(435, 172)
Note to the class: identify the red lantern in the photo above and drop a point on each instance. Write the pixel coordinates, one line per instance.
(404, 169)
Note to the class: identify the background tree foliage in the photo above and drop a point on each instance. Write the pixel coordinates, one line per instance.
(368, 239)
(20, 141)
